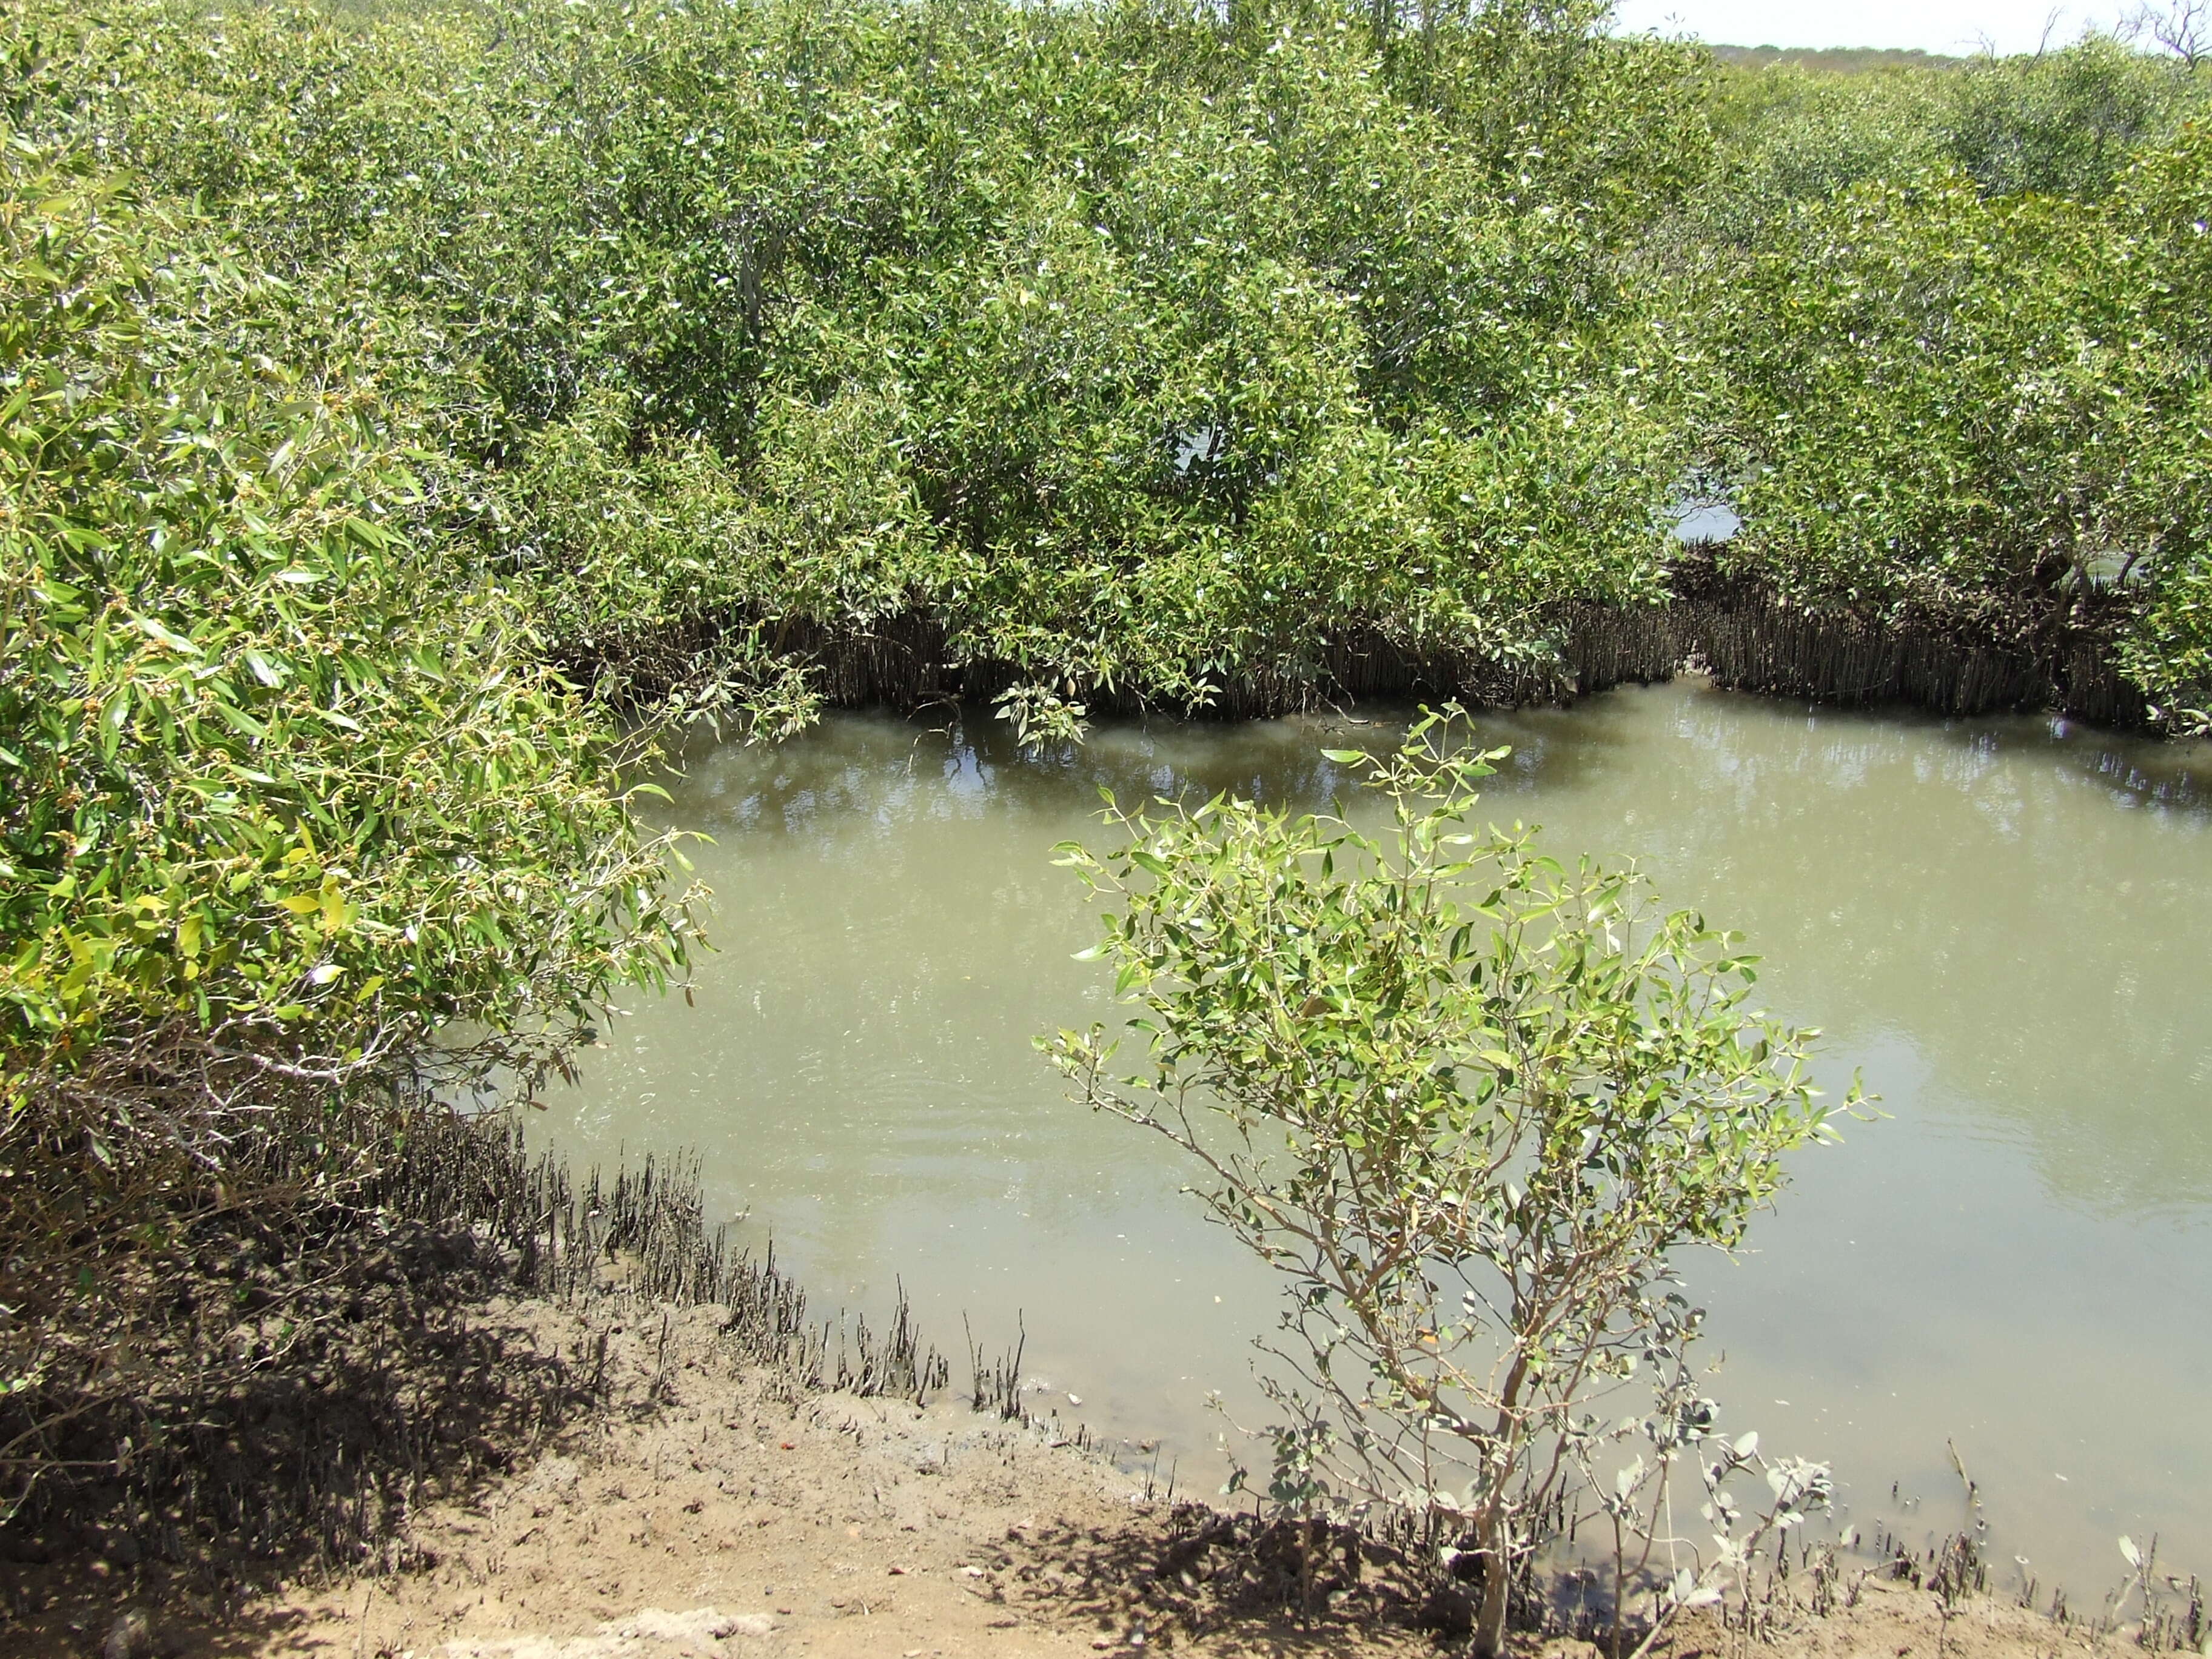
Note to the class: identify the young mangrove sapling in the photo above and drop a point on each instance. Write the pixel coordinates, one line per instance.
(1469, 1100)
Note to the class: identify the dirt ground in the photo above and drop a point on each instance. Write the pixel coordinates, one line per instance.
(712, 1512)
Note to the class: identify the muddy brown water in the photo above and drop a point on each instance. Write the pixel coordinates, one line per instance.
(2006, 924)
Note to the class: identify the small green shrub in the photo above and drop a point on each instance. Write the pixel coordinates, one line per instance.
(1472, 1103)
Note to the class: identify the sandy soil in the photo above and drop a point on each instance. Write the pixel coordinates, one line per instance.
(709, 1512)
(707, 1501)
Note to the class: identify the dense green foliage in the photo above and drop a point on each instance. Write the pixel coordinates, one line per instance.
(2054, 123)
(278, 785)
(1967, 408)
(1962, 369)
(1122, 345)
(1139, 351)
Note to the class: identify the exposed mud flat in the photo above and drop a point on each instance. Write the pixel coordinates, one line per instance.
(708, 1509)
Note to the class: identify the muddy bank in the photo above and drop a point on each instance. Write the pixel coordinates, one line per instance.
(705, 1506)
(1741, 633)
(539, 1419)
(278, 1379)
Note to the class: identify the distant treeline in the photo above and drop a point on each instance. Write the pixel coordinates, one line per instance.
(393, 400)
(1835, 60)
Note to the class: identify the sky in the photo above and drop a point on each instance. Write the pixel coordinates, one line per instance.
(1940, 26)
